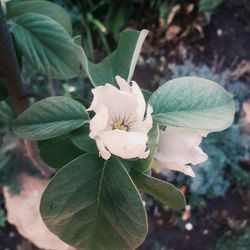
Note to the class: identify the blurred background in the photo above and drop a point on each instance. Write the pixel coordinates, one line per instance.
(206, 38)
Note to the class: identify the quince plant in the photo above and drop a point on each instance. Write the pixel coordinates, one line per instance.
(103, 153)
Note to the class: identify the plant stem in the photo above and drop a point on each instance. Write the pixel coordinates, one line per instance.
(14, 85)
(53, 88)
(10, 69)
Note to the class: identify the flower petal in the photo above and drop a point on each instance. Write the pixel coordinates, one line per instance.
(141, 106)
(174, 164)
(105, 154)
(197, 156)
(125, 144)
(135, 91)
(120, 104)
(146, 124)
(123, 85)
(99, 122)
(179, 147)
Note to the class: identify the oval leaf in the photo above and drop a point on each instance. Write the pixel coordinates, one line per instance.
(47, 45)
(54, 11)
(162, 191)
(121, 62)
(50, 117)
(7, 114)
(146, 94)
(208, 5)
(192, 102)
(92, 204)
(58, 151)
(80, 138)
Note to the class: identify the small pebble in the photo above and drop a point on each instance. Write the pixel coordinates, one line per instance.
(205, 232)
(219, 32)
(12, 234)
(189, 226)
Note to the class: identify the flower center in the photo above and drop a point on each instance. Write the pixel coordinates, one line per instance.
(119, 125)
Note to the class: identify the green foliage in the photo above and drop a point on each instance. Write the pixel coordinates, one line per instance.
(121, 62)
(58, 151)
(226, 151)
(7, 115)
(46, 44)
(42, 33)
(210, 177)
(54, 11)
(209, 5)
(182, 102)
(11, 166)
(80, 138)
(75, 88)
(102, 21)
(3, 218)
(101, 203)
(146, 94)
(239, 242)
(160, 190)
(50, 117)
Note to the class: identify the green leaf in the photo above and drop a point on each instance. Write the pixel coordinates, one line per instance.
(146, 94)
(7, 114)
(84, 102)
(162, 191)
(46, 45)
(118, 18)
(50, 117)
(127, 164)
(3, 91)
(192, 102)
(92, 204)
(54, 11)
(209, 5)
(145, 164)
(58, 151)
(80, 138)
(121, 62)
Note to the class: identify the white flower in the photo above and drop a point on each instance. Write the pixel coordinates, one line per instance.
(179, 147)
(3, 3)
(119, 125)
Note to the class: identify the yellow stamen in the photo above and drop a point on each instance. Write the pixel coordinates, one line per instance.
(120, 126)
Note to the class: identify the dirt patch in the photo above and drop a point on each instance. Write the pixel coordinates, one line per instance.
(10, 239)
(228, 35)
(225, 216)
(222, 37)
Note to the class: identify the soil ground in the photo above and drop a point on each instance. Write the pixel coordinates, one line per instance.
(225, 216)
